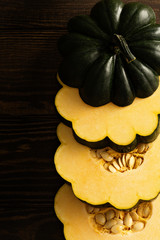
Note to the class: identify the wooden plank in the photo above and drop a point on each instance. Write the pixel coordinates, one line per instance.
(28, 179)
(28, 66)
(30, 224)
(40, 14)
(44, 14)
(27, 172)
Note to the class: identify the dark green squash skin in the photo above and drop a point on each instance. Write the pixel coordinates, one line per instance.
(107, 142)
(98, 65)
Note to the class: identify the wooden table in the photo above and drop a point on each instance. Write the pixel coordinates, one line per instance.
(29, 60)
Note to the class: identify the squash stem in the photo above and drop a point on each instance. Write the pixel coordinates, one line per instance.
(123, 48)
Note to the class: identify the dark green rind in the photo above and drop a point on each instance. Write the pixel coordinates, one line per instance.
(153, 136)
(102, 68)
(134, 17)
(121, 84)
(88, 27)
(107, 14)
(144, 79)
(72, 42)
(151, 32)
(79, 61)
(147, 51)
(107, 142)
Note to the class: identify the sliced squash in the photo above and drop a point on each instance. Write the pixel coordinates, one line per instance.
(120, 127)
(83, 222)
(94, 179)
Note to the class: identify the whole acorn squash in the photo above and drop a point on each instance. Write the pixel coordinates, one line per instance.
(108, 177)
(113, 55)
(80, 220)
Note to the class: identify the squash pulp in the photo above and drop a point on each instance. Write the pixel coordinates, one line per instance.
(93, 184)
(77, 225)
(119, 127)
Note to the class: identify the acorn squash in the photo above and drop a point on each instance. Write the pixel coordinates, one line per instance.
(83, 222)
(122, 128)
(109, 176)
(113, 55)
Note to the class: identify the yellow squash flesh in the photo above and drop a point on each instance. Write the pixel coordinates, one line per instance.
(119, 124)
(93, 184)
(72, 213)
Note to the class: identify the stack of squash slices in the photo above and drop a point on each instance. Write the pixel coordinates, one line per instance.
(110, 107)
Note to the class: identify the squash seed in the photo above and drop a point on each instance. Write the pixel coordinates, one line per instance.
(146, 211)
(138, 162)
(121, 215)
(140, 210)
(110, 214)
(109, 224)
(105, 165)
(107, 157)
(112, 169)
(113, 153)
(134, 216)
(120, 162)
(138, 226)
(116, 229)
(100, 219)
(128, 156)
(90, 209)
(124, 160)
(119, 221)
(131, 162)
(96, 210)
(115, 164)
(128, 220)
(98, 153)
(142, 148)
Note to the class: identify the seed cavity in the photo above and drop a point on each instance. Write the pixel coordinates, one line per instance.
(113, 221)
(120, 162)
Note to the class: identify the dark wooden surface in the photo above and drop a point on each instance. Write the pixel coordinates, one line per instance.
(28, 64)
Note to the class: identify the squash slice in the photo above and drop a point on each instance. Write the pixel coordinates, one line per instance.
(119, 127)
(78, 225)
(94, 184)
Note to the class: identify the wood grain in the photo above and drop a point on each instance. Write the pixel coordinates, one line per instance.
(28, 179)
(29, 61)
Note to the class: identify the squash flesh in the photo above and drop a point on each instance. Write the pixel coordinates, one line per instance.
(93, 184)
(119, 124)
(72, 213)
